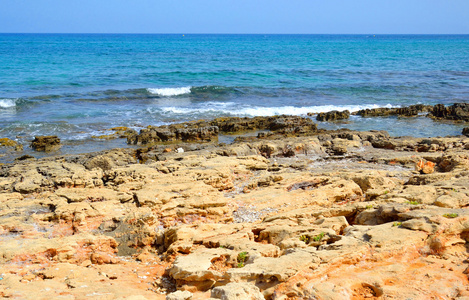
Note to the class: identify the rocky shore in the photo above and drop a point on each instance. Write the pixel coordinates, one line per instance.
(291, 212)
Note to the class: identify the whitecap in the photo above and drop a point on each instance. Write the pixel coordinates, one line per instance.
(267, 111)
(7, 103)
(167, 92)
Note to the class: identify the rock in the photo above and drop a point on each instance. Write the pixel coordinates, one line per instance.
(46, 143)
(109, 160)
(333, 115)
(6, 142)
(179, 295)
(465, 131)
(24, 157)
(425, 167)
(278, 268)
(197, 267)
(412, 110)
(275, 215)
(457, 111)
(203, 131)
(339, 149)
(102, 258)
(452, 200)
(237, 291)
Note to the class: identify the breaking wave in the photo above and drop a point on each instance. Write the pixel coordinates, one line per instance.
(167, 92)
(7, 103)
(234, 109)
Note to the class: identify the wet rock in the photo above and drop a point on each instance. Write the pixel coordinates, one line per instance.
(409, 111)
(333, 115)
(465, 131)
(282, 124)
(191, 132)
(6, 142)
(46, 143)
(203, 131)
(24, 157)
(457, 111)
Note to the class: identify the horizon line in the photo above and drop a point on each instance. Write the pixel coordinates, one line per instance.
(182, 33)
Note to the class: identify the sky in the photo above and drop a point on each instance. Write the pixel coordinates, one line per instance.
(236, 16)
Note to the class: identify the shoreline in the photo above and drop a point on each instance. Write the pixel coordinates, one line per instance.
(453, 115)
(322, 214)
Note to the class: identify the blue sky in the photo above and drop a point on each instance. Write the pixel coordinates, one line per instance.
(235, 16)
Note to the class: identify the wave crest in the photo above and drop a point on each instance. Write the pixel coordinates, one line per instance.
(7, 103)
(167, 92)
(232, 109)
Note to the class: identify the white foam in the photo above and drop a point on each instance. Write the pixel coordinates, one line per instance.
(268, 111)
(6, 103)
(170, 91)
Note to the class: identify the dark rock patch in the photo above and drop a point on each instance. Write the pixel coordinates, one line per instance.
(46, 143)
(333, 115)
(408, 111)
(457, 111)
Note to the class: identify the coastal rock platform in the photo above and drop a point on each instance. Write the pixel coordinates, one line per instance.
(324, 215)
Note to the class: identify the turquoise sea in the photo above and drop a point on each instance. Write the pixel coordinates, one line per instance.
(78, 85)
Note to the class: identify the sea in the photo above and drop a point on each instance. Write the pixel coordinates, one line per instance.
(78, 86)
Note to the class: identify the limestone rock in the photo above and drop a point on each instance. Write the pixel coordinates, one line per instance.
(237, 291)
(196, 266)
(280, 268)
(179, 295)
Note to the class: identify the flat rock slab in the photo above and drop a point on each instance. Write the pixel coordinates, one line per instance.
(196, 266)
(282, 268)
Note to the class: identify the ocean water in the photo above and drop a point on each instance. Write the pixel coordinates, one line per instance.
(77, 86)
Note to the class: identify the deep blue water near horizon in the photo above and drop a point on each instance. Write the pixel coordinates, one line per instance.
(78, 85)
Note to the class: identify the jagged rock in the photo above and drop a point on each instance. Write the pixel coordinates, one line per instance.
(409, 111)
(208, 131)
(457, 111)
(333, 115)
(172, 133)
(46, 143)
